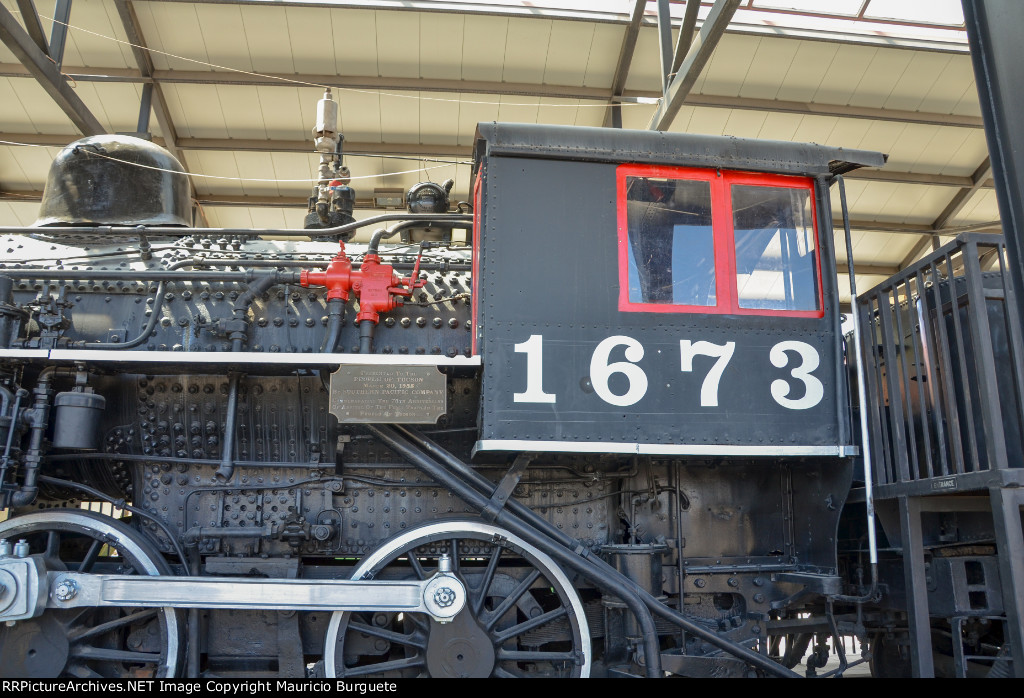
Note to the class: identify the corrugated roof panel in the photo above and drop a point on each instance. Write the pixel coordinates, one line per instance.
(258, 166)
(565, 112)
(186, 39)
(981, 208)
(438, 115)
(937, 154)
(923, 72)
(309, 31)
(242, 110)
(913, 203)
(645, 69)
(639, 115)
(296, 166)
(13, 114)
(93, 49)
(398, 44)
(484, 41)
(846, 133)
(884, 137)
(518, 109)
(568, 54)
(769, 68)
(471, 113)
(224, 35)
(604, 54)
(817, 129)
(116, 105)
(354, 34)
(202, 104)
(779, 127)
(441, 41)
(971, 153)
(43, 114)
(589, 113)
(26, 167)
(744, 124)
(359, 113)
(957, 81)
(19, 213)
(215, 163)
(526, 50)
(264, 29)
(278, 109)
(807, 70)
(875, 85)
(724, 74)
(848, 65)
(870, 247)
(400, 117)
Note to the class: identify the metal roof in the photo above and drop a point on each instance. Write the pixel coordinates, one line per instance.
(235, 85)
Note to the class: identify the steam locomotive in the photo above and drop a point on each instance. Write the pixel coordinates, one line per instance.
(594, 422)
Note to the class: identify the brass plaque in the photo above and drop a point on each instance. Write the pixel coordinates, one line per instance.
(388, 394)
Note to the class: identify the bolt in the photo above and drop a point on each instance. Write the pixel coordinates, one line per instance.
(444, 597)
(21, 549)
(5, 548)
(66, 590)
(699, 583)
(444, 565)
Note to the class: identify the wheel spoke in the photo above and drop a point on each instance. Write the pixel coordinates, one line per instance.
(454, 554)
(511, 600)
(382, 667)
(90, 557)
(502, 672)
(416, 565)
(102, 653)
(477, 604)
(78, 635)
(521, 628)
(53, 545)
(411, 640)
(81, 671)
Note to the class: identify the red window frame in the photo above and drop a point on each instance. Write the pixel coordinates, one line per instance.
(724, 235)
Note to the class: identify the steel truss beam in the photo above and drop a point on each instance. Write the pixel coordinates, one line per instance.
(39, 65)
(613, 117)
(696, 58)
(343, 82)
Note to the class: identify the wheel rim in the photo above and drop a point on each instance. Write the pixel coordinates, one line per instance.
(90, 642)
(522, 618)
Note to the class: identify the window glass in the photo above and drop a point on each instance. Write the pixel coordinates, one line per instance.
(671, 243)
(775, 263)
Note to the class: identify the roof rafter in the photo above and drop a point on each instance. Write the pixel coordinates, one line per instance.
(613, 117)
(343, 82)
(39, 65)
(130, 22)
(696, 58)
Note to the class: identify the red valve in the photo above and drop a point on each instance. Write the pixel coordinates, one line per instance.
(376, 285)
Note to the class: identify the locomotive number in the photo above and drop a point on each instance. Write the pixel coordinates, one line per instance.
(601, 371)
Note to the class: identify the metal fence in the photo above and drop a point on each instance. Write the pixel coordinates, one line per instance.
(942, 348)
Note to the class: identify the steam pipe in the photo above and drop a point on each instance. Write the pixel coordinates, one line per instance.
(335, 319)
(241, 312)
(366, 329)
(862, 400)
(173, 231)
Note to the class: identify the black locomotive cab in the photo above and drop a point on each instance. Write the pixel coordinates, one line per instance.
(658, 294)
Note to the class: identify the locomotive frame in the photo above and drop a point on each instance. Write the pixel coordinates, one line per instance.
(522, 484)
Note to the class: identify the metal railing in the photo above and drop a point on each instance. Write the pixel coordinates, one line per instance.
(943, 367)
